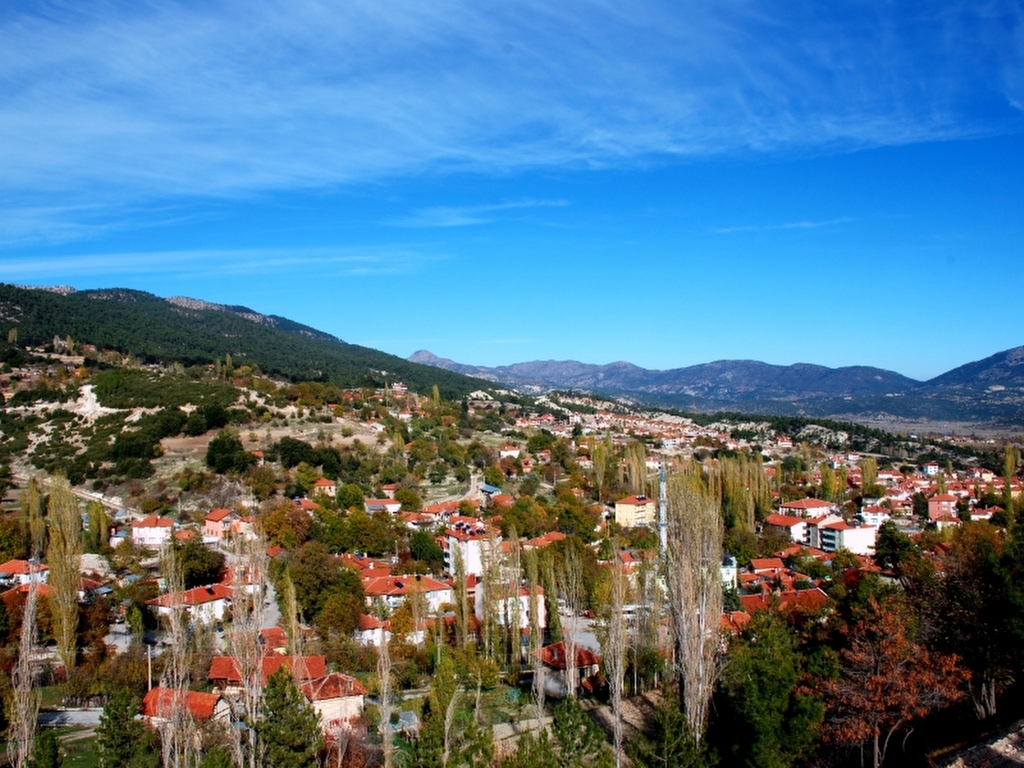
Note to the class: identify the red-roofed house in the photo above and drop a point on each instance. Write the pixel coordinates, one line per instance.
(204, 605)
(337, 698)
(158, 706)
(792, 526)
(555, 658)
(767, 565)
(225, 676)
(274, 640)
(325, 486)
(371, 631)
(807, 508)
(217, 524)
(394, 589)
(152, 532)
(811, 600)
(22, 572)
(543, 540)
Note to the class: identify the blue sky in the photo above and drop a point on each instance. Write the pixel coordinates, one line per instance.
(666, 183)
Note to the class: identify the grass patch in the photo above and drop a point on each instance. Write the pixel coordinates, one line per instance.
(79, 750)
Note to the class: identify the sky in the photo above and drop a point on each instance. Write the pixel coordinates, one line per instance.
(665, 183)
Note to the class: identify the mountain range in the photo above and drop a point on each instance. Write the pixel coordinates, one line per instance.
(986, 392)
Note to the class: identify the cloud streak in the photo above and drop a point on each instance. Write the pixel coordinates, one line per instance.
(469, 215)
(326, 262)
(788, 225)
(116, 102)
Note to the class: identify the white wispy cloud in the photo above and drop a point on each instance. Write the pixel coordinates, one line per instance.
(806, 224)
(327, 262)
(115, 102)
(468, 215)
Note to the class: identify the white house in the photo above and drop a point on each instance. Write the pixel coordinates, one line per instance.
(393, 590)
(17, 572)
(794, 527)
(382, 505)
(152, 532)
(814, 528)
(807, 508)
(371, 631)
(204, 605)
(337, 698)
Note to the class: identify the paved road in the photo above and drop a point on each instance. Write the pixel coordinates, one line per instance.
(84, 718)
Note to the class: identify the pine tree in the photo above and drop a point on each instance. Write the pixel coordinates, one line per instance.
(47, 752)
(579, 740)
(290, 729)
(120, 738)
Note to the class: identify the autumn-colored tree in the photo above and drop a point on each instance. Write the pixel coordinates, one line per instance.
(886, 681)
(284, 523)
(974, 613)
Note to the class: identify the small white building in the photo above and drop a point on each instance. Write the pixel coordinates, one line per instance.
(371, 631)
(793, 527)
(204, 605)
(338, 699)
(18, 572)
(152, 532)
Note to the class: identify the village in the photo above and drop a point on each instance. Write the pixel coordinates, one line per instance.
(515, 563)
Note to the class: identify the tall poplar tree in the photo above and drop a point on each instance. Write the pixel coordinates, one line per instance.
(694, 583)
(64, 557)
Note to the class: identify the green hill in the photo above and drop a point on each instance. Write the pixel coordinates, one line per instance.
(195, 333)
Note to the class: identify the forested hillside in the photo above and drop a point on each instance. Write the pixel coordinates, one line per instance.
(155, 330)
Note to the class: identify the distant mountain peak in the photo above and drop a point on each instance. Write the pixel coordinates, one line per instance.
(989, 389)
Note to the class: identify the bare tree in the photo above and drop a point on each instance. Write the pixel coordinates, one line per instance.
(178, 734)
(514, 613)
(290, 611)
(536, 632)
(64, 556)
(599, 455)
(615, 655)
(25, 701)
(384, 682)
(249, 565)
(693, 578)
(491, 584)
(571, 578)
